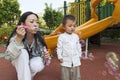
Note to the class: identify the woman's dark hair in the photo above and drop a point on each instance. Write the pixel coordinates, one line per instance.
(24, 17)
(70, 17)
(22, 20)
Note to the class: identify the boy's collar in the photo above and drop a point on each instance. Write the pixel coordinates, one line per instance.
(68, 33)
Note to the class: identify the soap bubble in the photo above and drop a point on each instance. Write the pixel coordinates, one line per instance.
(112, 60)
(82, 42)
(113, 63)
(117, 76)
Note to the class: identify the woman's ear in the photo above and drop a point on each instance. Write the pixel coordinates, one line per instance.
(22, 23)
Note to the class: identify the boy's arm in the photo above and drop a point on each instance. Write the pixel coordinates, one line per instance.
(79, 48)
(59, 48)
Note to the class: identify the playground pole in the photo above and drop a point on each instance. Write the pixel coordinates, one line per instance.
(98, 35)
(65, 8)
(87, 18)
(79, 12)
(86, 49)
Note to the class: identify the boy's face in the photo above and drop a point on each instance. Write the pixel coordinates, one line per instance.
(70, 26)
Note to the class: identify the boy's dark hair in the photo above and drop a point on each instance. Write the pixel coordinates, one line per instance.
(71, 17)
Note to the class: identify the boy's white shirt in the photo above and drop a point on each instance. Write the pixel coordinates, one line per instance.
(69, 49)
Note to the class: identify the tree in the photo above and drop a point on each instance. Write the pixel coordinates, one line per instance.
(9, 11)
(52, 17)
(103, 2)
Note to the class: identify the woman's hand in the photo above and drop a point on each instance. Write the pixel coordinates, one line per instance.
(20, 33)
(47, 59)
(47, 56)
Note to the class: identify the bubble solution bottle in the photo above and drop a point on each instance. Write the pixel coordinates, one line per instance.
(47, 59)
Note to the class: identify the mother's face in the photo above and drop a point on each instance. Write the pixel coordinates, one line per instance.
(32, 23)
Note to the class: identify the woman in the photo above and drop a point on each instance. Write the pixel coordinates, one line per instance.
(26, 47)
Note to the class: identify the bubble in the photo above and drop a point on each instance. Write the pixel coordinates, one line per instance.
(104, 73)
(117, 76)
(82, 42)
(112, 71)
(114, 67)
(113, 64)
(91, 56)
(113, 60)
(107, 64)
(83, 54)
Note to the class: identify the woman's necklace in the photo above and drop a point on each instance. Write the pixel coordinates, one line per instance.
(29, 48)
(29, 39)
(30, 44)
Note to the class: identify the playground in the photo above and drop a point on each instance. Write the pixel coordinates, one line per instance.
(92, 68)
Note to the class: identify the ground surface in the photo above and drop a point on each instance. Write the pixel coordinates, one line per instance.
(90, 69)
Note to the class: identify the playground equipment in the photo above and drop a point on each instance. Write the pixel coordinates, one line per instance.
(90, 28)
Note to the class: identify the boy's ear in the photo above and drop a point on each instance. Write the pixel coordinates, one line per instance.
(64, 27)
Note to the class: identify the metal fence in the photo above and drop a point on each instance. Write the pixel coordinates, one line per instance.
(81, 10)
(105, 11)
(78, 9)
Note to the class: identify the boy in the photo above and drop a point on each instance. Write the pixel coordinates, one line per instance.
(69, 50)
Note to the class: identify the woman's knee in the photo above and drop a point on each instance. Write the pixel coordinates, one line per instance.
(22, 58)
(24, 54)
(36, 64)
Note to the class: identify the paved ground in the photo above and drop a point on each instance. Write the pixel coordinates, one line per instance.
(90, 69)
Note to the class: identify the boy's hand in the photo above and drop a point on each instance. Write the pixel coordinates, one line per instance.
(61, 60)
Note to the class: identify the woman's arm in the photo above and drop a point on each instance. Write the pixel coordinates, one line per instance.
(13, 49)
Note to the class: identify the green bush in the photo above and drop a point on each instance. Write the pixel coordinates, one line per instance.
(5, 31)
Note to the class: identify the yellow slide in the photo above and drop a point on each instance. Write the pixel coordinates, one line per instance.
(88, 29)
(83, 32)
